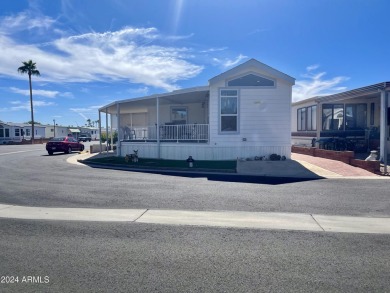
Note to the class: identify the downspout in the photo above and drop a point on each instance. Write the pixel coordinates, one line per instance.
(100, 131)
(112, 136)
(158, 128)
(118, 123)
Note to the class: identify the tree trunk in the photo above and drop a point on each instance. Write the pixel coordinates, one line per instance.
(32, 112)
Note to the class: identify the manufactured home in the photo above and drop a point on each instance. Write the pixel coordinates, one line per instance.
(243, 112)
(57, 130)
(16, 132)
(355, 120)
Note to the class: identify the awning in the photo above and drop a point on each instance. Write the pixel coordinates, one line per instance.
(74, 130)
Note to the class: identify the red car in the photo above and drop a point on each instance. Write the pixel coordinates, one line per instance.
(63, 144)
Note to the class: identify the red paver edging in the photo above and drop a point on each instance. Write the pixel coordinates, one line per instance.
(337, 167)
(346, 157)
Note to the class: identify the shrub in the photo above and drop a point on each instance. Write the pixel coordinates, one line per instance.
(103, 137)
(274, 157)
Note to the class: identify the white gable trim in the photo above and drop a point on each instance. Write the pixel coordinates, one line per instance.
(253, 63)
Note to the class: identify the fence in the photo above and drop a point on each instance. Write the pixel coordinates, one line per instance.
(178, 133)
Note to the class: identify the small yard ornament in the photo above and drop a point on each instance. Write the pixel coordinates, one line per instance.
(190, 161)
(132, 157)
(373, 156)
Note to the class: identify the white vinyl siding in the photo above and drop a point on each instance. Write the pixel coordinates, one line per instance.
(264, 120)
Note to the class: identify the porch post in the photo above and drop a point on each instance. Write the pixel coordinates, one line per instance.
(112, 136)
(383, 129)
(100, 131)
(318, 121)
(106, 131)
(118, 123)
(158, 127)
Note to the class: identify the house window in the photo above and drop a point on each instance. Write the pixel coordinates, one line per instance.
(251, 80)
(307, 118)
(17, 132)
(1, 131)
(312, 118)
(28, 132)
(333, 117)
(179, 115)
(6, 132)
(301, 119)
(355, 116)
(229, 111)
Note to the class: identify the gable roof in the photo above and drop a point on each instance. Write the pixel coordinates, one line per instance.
(253, 63)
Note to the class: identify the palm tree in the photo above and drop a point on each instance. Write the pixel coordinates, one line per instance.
(30, 68)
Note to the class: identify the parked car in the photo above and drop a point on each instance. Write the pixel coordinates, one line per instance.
(85, 137)
(63, 144)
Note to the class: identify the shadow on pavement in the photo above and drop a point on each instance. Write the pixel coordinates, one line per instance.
(222, 177)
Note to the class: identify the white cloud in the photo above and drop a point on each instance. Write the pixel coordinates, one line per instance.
(256, 31)
(68, 95)
(315, 84)
(42, 93)
(228, 62)
(312, 67)
(211, 50)
(87, 112)
(24, 20)
(127, 54)
(139, 91)
(19, 105)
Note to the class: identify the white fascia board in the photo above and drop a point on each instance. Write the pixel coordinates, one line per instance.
(154, 96)
(355, 93)
(305, 101)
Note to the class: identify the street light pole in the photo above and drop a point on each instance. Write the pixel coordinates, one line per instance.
(54, 127)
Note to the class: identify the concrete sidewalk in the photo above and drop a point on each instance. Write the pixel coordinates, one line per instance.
(222, 219)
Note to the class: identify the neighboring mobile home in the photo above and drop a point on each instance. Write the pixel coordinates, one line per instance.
(93, 131)
(58, 130)
(16, 132)
(71, 130)
(357, 118)
(243, 112)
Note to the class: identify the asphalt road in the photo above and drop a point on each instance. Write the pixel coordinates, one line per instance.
(107, 257)
(30, 177)
(60, 256)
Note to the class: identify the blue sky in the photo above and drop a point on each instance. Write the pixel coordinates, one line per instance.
(93, 52)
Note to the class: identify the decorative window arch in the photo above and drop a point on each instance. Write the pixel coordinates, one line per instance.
(252, 80)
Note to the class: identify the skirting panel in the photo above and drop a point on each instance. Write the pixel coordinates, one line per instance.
(202, 152)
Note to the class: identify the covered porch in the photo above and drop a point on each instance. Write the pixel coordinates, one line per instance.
(180, 117)
(356, 120)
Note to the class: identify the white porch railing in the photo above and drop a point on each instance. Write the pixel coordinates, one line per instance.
(177, 133)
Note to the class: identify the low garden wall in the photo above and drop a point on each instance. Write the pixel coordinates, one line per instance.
(95, 148)
(347, 157)
(25, 141)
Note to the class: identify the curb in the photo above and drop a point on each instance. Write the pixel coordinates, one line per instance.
(219, 219)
